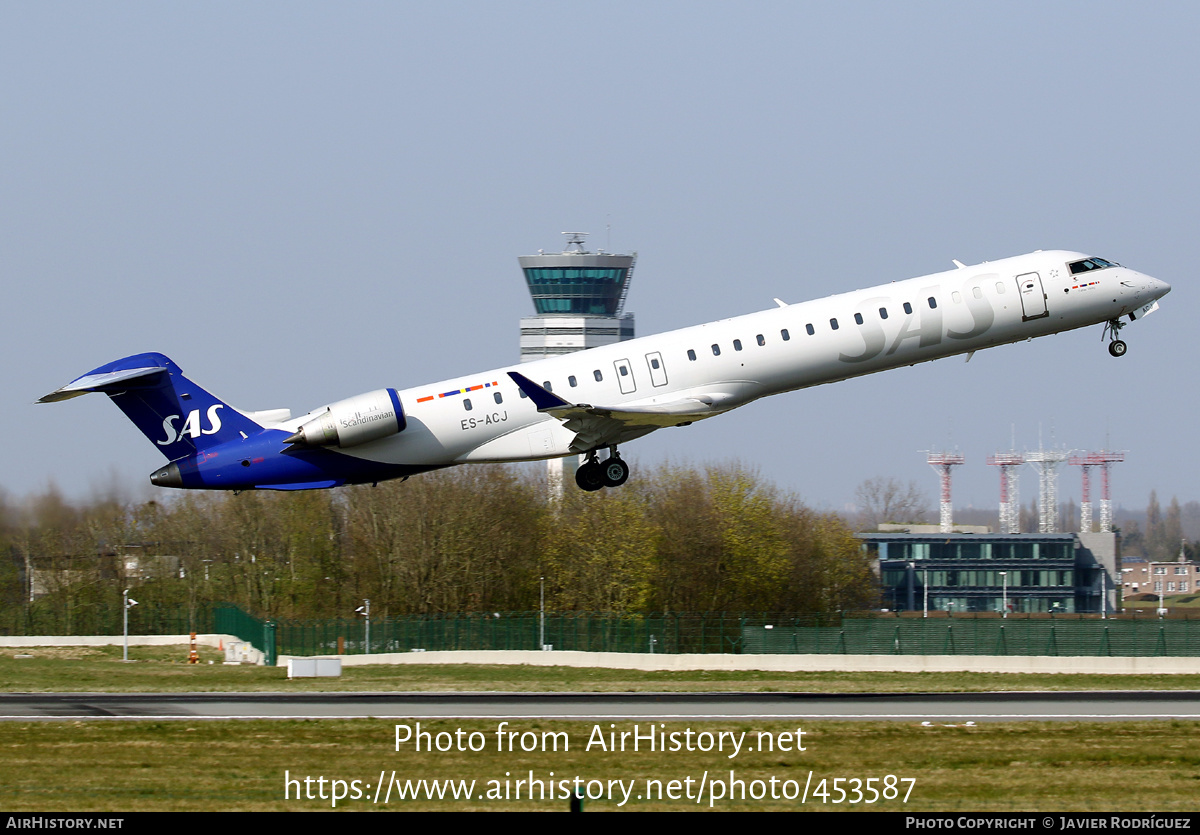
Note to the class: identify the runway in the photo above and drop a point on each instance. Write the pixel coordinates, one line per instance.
(940, 707)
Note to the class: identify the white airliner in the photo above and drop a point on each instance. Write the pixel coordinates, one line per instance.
(595, 400)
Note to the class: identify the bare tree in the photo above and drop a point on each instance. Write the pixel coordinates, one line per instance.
(885, 499)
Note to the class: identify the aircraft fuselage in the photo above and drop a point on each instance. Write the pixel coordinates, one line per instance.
(602, 397)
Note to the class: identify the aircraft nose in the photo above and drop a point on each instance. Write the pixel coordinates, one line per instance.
(1157, 288)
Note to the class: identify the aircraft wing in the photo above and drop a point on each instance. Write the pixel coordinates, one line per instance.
(596, 426)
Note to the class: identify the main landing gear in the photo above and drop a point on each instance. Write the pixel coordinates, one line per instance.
(594, 474)
(1116, 347)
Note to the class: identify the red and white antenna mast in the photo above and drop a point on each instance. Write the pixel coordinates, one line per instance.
(1010, 503)
(941, 463)
(1086, 461)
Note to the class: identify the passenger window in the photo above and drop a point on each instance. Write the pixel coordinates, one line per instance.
(932, 303)
(572, 382)
(467, 404)
(599, 377)
(833, 324)
(907, 307)
(546, 386)
(624, 369)
(761, 340)
(999, 286)
(785, 335)
(691, 355)
(522, 393)
(883, 313)
(716, 350)
(810, 329)
(654, 364)
(978, 292)
(498, 397)
(737, 344)
(858, 318)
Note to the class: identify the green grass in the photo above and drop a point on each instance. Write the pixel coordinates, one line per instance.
(164, 670)
(228, 765)
(240, 765)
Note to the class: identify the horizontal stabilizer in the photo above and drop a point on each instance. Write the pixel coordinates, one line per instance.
(99, 382)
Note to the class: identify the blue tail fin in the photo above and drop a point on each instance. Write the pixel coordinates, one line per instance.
(178, 416)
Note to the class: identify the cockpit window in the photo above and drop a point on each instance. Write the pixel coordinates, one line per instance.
(1088, 264)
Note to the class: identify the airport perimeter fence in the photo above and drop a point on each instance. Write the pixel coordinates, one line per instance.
(105, 618)
(965, 635)
(866, 633)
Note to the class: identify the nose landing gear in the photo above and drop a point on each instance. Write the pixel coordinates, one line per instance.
(1116, 347)
(593, 475)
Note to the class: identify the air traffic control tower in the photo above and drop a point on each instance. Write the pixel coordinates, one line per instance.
(579, 297)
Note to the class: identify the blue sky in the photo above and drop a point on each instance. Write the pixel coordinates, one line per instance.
(298, 202)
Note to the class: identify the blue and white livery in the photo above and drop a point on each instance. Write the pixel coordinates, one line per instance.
(595, 400)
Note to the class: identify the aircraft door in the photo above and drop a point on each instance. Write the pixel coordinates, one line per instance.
(658, 371)
(625, 376)
(1033, 297)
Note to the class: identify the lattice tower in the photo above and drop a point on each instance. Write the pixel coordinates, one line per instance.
(941, 463)
(1010, 478)
(1046, 462)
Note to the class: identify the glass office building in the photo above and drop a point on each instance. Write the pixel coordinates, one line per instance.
(981, 572)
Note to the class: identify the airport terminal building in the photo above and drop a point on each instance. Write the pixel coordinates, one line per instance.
(984, 572)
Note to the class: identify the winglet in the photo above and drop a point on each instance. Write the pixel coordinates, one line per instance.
(541, 398)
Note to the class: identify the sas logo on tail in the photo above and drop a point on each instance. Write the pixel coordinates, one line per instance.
(191, 426)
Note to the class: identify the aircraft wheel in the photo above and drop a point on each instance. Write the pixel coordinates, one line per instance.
(589, 477)
(616, 472)
(1117, 348)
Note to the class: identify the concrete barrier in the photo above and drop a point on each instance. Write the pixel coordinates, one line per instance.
(1101, 665)
(792, 663)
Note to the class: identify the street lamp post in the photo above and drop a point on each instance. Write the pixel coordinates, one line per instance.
(127, 603)
(912, 579)
(1004, 580)
(1125, 583)
(365, 611)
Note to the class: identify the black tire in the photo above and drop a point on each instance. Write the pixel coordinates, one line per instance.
(616, 472)
(589, 477)
(1117, 348)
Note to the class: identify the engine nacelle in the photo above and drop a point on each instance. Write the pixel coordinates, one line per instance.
(354, 421)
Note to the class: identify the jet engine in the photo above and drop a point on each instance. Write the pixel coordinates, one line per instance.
(354, 421)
